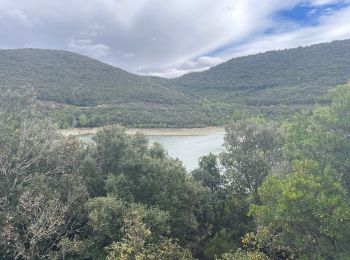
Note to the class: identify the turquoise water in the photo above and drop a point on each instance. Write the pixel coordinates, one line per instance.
(187, 149)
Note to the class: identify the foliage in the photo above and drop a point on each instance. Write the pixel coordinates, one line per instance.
(134, 244)
(276, 82)
(40, 197)
(243, 255)
(252, 149)
(306, 213)
(274, 194)
(208, 173)
(323, 135)
(78, 91)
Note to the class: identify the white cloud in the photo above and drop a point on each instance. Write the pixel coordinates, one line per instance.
(200, 64)
(158, 33)
(19, 18)
(87, 47)
(325, 2)
(331, 27)
(128, 55)
(160, 37)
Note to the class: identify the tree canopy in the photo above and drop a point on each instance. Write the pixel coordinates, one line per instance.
(275, 192)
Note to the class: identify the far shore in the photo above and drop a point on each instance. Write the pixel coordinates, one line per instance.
(150, 131)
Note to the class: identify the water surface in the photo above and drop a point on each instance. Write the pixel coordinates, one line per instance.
(187, 149)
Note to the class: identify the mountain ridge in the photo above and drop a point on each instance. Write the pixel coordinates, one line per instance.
(273, 84)
(319, 66)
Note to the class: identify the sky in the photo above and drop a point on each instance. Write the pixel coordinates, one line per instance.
(170, 38)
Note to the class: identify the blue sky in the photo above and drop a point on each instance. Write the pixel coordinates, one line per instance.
(302, 14)
(293, 19)
(307, 14)
(171, 38)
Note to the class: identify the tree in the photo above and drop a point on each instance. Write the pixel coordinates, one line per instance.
(137, 173)
(215, 196)
(38, 225)
(135, 244)
(107, 216)
(244, 255)
(82, 120)
(29, 144)
(111, 143)
(251, 151)
(40, 197)
(323, 135)
(305, 214)
(221, 210)
(208, 173)
(92, 174)
(43, 221)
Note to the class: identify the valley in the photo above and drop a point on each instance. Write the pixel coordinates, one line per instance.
(77, 91)
(174, 130)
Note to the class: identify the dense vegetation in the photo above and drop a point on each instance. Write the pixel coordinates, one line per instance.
(279, 192)
(73, 79)
(289, 77)
(71, 85)
(79, 91)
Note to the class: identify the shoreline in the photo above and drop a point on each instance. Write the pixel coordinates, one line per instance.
(150, 131)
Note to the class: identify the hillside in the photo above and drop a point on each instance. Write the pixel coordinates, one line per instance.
(77, 80)
(80, 91)
(294, 77)
(75, 85)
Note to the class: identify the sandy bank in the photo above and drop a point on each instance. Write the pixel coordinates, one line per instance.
(151, 131)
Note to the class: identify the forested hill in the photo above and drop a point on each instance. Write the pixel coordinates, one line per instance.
(287, 77)
(80, 91)
(74, 79)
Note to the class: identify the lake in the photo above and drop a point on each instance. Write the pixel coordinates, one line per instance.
(187, 149)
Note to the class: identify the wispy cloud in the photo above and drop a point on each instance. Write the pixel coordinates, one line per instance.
(199, 64)
(330, 27)
(87, 47)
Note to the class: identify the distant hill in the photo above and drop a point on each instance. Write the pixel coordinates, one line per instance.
(293, 77)
(80, 91)
(73, 85)
(77, 80)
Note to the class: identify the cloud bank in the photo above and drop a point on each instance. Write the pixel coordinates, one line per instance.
(170, 38)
